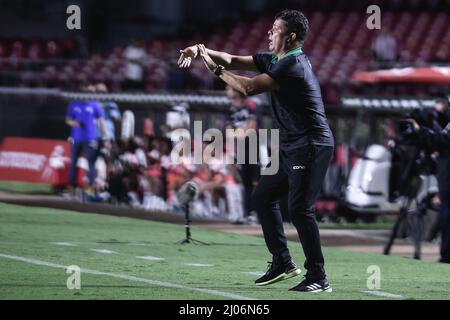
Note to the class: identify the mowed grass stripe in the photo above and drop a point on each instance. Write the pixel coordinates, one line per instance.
(128, 277)
(27, 232)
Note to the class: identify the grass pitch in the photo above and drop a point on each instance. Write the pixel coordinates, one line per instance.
(37, 243)
(25, 188)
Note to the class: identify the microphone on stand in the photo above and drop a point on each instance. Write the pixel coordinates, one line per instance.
(187, 193)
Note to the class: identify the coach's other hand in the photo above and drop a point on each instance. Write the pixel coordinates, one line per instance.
(186, 56)
(209, 63)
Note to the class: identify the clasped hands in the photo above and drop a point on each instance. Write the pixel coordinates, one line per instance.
(190, 53)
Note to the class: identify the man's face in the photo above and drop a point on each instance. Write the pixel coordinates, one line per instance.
(441, 107)
(101, 87)
(277, 36)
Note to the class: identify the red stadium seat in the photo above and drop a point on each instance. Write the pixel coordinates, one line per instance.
(338, 44)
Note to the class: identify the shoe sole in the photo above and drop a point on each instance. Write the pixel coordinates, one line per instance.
(329, 289)
(281, 277)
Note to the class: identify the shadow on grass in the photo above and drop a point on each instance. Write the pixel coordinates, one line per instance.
(151, 243)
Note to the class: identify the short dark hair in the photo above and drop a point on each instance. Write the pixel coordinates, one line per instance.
(444, 101)
(296, 23)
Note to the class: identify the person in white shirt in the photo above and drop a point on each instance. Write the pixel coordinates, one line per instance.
(136, 57)
(384, 48)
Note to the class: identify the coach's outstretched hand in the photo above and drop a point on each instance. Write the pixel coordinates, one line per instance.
(209, 63)
(186, 56)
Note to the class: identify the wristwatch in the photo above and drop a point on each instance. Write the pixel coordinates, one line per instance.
(218, 70)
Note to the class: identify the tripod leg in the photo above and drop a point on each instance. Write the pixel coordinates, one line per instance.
(435, 229)
(402, 216)
(417, 229)
(418, 236)
(387, 248)
(435, 223)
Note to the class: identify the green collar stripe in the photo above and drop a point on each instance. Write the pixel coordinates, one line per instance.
(289, 53)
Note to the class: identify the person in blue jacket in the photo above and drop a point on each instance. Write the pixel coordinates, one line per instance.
(83, 118)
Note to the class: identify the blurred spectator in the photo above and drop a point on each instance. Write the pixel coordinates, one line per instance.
(116, 174)
(111, 113)
(177, 118)
(442, 113)
(154, 173)
(384, 48)
(83, 117)
(136, 58)
(136, 161)
(243, 116)
(442, 55)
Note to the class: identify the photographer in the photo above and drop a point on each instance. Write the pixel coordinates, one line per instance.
(439, 139)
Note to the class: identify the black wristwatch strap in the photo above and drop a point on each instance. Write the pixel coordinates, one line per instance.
(218, 70)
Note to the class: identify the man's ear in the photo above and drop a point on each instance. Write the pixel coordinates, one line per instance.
(293, 37)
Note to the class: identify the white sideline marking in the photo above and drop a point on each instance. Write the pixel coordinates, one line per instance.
(254, 273)
(198, 265)
(65, 244)
(131, 278)
(105, 251)
(384, 294)
(150, 258)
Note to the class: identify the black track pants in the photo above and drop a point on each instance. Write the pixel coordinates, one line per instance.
(301, 175)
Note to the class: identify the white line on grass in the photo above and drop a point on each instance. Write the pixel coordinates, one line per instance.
(104, 251)
(198, 264)
(64, 244)
(130, 278)
(383, 294)
(151, 258)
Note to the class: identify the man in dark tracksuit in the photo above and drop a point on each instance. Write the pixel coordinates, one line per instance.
(306, 148)
(440, 140)
(301, 176)
(306, 142)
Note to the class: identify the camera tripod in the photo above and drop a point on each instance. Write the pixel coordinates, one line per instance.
(415, 217)
(187, 225)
